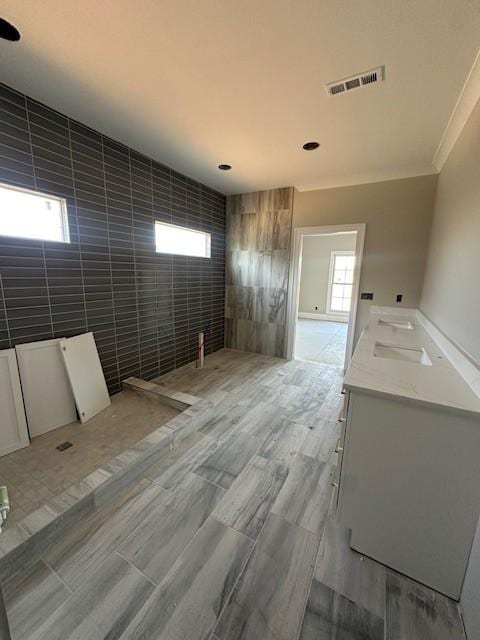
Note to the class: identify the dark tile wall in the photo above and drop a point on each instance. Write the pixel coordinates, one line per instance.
(144, 308)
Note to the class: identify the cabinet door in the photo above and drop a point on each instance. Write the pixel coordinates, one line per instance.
(13, 426)
(47, 395)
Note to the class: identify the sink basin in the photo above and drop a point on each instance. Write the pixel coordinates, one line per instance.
(396, 324)
(417, 355)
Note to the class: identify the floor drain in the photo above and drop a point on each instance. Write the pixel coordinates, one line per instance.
(64, 445)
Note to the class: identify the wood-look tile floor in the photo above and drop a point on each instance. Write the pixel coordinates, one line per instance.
(232, 536)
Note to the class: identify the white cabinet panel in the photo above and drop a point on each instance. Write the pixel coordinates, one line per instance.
(48, 398)
(86, 375)
(13, 426)
(410, 487)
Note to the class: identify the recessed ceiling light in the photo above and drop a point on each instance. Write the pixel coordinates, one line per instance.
(224, 167)
(8, 31)
(310, 146)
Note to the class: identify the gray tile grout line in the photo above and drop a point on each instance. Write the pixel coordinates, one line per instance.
(119, 553)
(114, 316)
(77, 228)
(134, 259)
(5, 311)
(312, 575)
(58, 575)
(155, 276)
(43, 243)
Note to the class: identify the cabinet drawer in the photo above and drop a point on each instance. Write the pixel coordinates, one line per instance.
(335, 482)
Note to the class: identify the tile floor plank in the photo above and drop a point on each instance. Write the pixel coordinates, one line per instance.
(88, 544)
(330, 616)
(185, 445)
(321, 441)
(247, 503)
(175, 474)
(228, 459)
(162, 536)
(347, 572)
(269, 599)
(285, 440)
(305, 496)
(31, 597)
(102, 607)
(191, 597)
(415, 611)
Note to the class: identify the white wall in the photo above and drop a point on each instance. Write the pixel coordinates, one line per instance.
(315, 269)
(451, 291)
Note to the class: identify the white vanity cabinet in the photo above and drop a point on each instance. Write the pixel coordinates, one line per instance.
(409, 473)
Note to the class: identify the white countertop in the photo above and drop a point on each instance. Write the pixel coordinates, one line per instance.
(435, 384)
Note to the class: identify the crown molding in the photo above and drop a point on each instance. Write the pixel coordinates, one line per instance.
(462, 110)
(381, 175)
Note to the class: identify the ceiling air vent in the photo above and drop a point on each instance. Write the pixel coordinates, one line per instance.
(356, 82)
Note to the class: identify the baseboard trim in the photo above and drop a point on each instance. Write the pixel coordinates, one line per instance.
(330, 317)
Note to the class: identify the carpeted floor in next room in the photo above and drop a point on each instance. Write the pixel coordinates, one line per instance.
(321, 341)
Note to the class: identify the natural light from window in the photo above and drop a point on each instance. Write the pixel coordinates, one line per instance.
(170, 238)
(28, 214)
(340, 281)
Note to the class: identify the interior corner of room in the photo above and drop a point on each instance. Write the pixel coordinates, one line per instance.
(239, 321)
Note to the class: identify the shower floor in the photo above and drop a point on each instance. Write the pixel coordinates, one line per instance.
(40, 472)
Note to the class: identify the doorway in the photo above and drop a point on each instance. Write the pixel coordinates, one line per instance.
(323, 295)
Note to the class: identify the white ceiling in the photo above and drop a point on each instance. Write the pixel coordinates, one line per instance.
(194, 83)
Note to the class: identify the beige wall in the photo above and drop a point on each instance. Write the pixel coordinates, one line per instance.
(316, 267)
(451, 292)
(398, 215)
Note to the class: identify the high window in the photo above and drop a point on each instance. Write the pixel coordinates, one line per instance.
(31, 214)
(170, 238)
(340, 281)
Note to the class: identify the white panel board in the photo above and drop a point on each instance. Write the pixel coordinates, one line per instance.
(86, 376)
(13, 425)
(47, 394)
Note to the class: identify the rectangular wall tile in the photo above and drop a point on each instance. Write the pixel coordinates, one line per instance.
(145, 309)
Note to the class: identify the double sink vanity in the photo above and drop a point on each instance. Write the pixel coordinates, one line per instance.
(408, 474)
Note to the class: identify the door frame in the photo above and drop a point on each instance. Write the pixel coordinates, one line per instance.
(294, 280)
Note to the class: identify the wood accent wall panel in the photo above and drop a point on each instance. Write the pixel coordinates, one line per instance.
(259, 229)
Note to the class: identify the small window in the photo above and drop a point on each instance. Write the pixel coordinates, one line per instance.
(170, 238)
(30, 214)
(340, 281)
